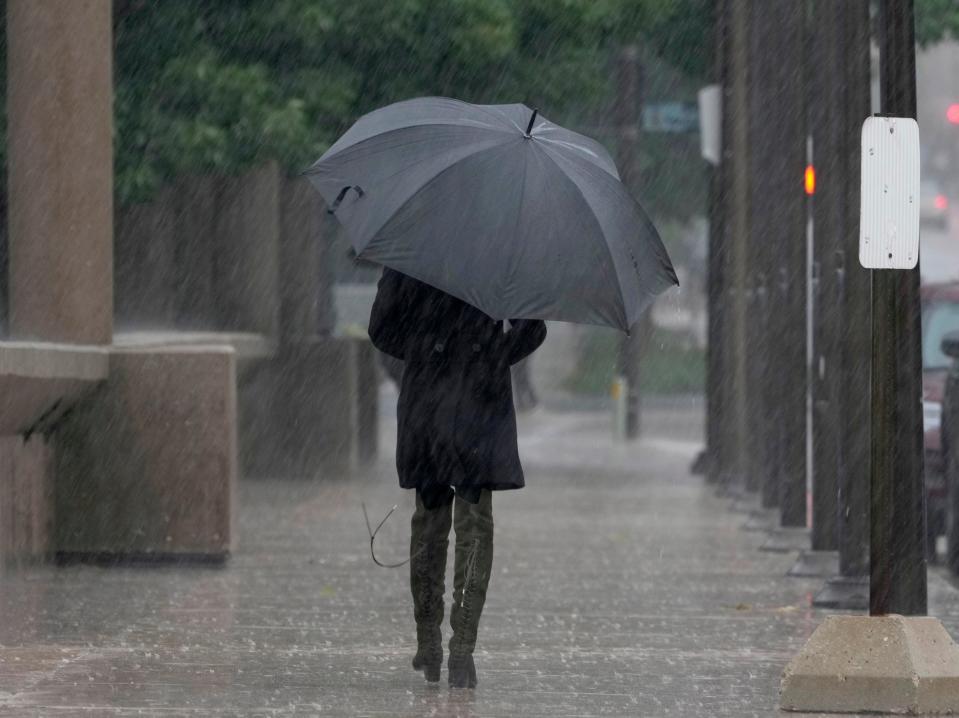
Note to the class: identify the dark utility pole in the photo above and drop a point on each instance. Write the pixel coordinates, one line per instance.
(849, 318)
(765, 241)
(828, 100)
(628, 122)
(716, 277)
(723, 339)
(898, 557)
(736, 232)
(783, 181)
(854, 309)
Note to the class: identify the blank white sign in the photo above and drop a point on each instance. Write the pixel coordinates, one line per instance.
(889, 218)
(710, 122)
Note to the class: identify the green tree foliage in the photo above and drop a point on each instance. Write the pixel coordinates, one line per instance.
(219, 85)
(936, 20)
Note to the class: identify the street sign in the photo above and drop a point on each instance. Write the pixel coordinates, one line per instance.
(710, 122)
(889, 222)
(671, 117)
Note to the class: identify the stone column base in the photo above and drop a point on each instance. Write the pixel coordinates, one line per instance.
(26, 500)
(883, 664)
(145, 466)
(310, 411)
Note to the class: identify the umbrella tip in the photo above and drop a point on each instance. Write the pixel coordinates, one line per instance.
(532, 119)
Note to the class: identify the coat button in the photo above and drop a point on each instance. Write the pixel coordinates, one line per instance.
(476, 347)
(438, 347)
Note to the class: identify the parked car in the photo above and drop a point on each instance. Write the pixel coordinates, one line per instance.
(950, 445)
(940, 316)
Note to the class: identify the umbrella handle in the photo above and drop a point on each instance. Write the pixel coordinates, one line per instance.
(342, 194)
(529, 127)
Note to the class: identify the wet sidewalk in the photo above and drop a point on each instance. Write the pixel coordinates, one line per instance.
(622, 587)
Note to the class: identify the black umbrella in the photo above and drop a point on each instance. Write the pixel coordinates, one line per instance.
(497, 206)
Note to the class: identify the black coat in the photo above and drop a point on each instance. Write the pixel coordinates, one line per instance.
(457, 425)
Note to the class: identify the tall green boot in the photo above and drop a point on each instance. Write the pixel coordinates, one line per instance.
(429, 542)
(471, 570)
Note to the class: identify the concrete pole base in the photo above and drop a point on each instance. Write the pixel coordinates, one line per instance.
(786, 540)
(762, 520)
(844, 593)
(815, 564)
(883, 664)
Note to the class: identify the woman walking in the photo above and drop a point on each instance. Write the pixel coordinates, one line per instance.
(456, 444)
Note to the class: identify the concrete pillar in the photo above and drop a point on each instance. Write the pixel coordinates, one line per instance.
(247, 255)
(303, 250)
(60, 169)
(4, 268)
(195, 251)
(145, 270)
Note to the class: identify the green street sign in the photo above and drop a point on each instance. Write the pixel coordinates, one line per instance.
(679, 117)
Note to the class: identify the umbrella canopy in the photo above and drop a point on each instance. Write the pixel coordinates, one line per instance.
(497, 206)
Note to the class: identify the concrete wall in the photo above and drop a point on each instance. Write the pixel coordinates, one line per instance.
(229, 254)
(60, 169)
(249, 254)
(312, 411)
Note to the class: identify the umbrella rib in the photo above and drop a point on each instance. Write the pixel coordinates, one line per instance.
(582, 149)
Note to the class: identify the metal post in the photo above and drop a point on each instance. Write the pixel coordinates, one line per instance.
(628, 118)
(898, 557)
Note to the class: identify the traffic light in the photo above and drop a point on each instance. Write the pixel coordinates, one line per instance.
(952, 113)
(810, 180)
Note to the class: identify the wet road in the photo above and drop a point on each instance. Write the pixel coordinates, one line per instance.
(622, 587)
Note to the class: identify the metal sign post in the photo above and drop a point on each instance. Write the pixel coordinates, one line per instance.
(896, 660)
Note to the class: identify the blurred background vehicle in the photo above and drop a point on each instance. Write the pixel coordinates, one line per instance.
(940, 316)
(949, 437)
(933, 206)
